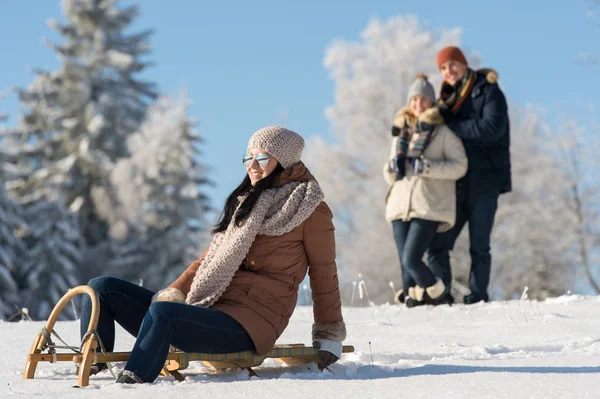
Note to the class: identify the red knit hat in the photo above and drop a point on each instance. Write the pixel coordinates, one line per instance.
(451, 53)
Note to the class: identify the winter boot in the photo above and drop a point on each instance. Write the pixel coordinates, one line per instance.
(400, 296)
(434, 295)
(411, 300)
(129, 377)
(472, 299)
(97, 368)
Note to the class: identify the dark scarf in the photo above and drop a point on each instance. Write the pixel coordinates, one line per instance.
(454, 96)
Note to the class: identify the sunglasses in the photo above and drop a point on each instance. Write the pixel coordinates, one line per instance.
(262, 159)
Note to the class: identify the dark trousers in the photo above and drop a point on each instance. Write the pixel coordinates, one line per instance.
(412, 239)
(158, 325)
(478, 208)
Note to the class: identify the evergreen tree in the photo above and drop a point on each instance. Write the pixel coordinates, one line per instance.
(161, 216)
(54, 253)
(78, 117)
(11, 228)
(12, 250)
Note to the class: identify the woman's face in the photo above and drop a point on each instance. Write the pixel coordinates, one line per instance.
(418, 104)
(253, 161)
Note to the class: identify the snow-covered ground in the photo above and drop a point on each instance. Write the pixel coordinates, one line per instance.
(517, 349)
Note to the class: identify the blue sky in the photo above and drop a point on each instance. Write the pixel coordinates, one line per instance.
(250, 64)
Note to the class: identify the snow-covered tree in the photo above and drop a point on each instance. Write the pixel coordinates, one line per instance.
(162, 209)
(12, 247)
(54, 253)
(11, 251)
(78, 117)
(575, 147)
(371, 80)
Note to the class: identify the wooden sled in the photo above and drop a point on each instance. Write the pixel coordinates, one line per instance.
(44, 350)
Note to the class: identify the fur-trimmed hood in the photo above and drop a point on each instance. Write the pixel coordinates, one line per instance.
(405, 117)
(490, 74)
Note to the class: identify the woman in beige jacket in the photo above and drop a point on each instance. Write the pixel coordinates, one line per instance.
(425, 161)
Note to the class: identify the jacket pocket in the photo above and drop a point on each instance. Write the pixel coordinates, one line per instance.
(267, 306)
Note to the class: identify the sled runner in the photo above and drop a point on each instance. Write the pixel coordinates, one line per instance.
(91, 350)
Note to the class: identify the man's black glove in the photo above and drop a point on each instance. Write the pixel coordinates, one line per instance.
(445, 112)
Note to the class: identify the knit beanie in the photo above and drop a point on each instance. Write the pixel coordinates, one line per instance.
(285, 145)
(421, 86)
(451, 53)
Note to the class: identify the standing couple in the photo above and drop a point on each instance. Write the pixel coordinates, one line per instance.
(449, 163)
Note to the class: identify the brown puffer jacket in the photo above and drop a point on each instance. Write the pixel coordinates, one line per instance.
(263, 292)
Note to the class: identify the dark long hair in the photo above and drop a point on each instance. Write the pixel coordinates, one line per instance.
(253, 194)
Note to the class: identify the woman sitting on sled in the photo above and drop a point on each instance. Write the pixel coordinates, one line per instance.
(240, 294)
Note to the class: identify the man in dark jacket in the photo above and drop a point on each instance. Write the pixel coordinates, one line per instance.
(475, 108)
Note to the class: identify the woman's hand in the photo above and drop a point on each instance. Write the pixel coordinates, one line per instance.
(326, 359)
(329, 352)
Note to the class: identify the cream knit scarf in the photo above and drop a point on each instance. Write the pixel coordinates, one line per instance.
(276, 212)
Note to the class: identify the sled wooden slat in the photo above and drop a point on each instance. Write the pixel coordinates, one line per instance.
(173, 373)
(89, 347)
(288, 354)
(180, 360)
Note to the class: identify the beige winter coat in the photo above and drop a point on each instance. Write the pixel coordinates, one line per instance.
(431, 196)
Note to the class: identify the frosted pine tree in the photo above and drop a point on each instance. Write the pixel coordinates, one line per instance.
(54, 253)
(575, 144)
(371, 79)
(12, 247)
(12, 250)
(78, 117)
(162, 212)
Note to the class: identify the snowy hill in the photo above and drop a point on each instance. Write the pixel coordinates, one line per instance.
(517, 349)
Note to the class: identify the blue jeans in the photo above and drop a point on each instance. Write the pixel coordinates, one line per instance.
(478, 208)
(158, 325)
(412, 239)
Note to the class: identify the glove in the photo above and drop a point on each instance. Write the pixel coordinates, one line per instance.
(417, 165)
(329, 352)
(326, 359)
(400, 168)
(169, 294)
(445, 112)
